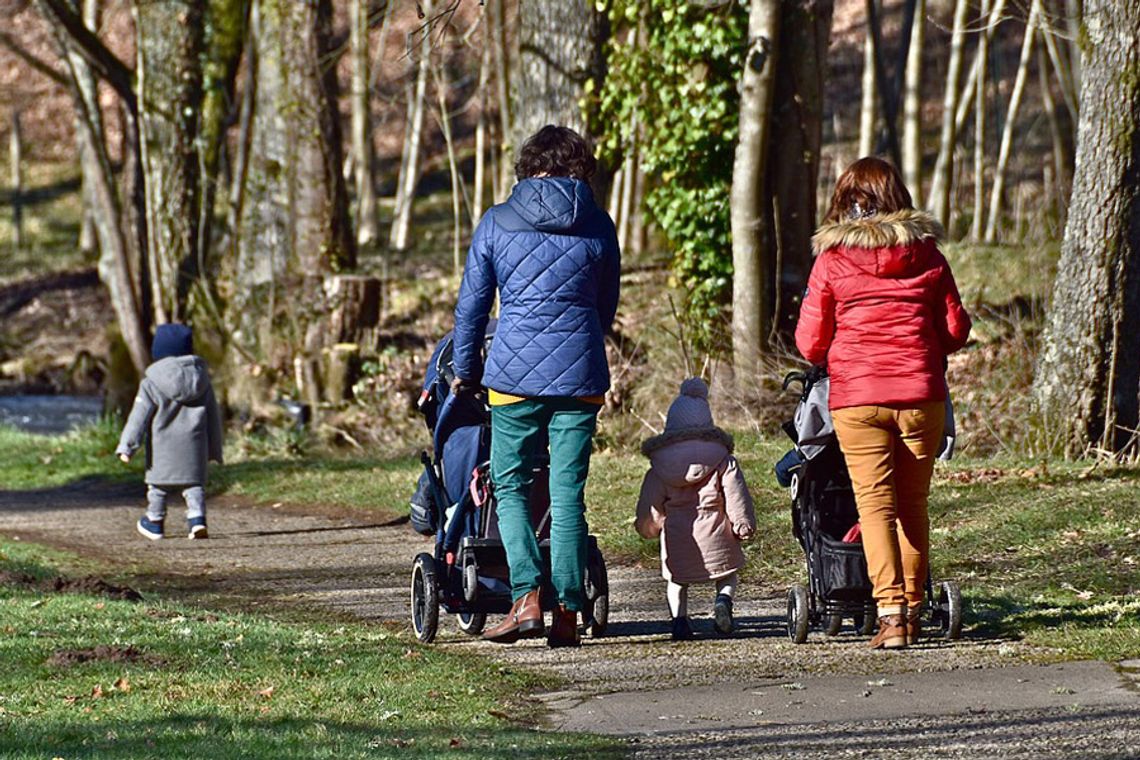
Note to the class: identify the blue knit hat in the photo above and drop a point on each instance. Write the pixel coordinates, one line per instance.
(172, 339)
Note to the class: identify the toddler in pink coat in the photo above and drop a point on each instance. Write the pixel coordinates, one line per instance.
(695, 499)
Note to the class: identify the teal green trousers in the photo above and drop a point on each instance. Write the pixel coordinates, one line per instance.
(516, 437)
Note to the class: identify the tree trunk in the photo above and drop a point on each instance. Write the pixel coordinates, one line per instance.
(1088, 375)
(410, 166)
(886, 94)
(457, 189)
(169, 38)
(940, 183)
(1060, 147)
(870, 99)
(226, 32)
(561, 61)
(751, 309)
(363, 154)
(115, 260)
(294, 224)
(792, 165)
(980, 107)
(478, 192)
(998, 189)
(912, 105)
(501, 61)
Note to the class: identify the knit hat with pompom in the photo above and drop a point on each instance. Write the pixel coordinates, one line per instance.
(689, 419)
(690, 410)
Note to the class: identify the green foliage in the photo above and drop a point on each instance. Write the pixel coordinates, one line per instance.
(678, 84)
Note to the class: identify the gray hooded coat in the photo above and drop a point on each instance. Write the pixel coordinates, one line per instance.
(176, 413)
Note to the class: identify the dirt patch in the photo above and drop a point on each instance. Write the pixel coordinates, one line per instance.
(94, 586)
(12, 578)
(66, 658)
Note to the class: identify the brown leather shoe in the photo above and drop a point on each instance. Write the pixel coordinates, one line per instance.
(524, 621)
(892, 633)
(913, 624)
(563, 629)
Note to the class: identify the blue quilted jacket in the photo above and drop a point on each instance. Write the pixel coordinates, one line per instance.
(552, 254)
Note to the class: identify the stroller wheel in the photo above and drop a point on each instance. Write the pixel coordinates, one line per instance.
(471, 623)
(798, 614)
(599, 615)
(834, 624)
(425, 598)
(950, 609)
(865, 623)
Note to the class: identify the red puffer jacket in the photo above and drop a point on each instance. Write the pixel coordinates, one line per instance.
(882, 310)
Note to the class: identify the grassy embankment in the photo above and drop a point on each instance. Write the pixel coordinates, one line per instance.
(91, 676)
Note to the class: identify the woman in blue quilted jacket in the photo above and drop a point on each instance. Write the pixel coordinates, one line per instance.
(551, 254)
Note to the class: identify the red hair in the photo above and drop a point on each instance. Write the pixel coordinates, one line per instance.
(868, 186)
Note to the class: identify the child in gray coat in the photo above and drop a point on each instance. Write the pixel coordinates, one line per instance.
(175, 412)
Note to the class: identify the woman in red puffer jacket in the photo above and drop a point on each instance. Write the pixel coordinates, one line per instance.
(882, 311)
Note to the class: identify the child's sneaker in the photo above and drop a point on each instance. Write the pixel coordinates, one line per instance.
(151, 529)
(198, 528)
(682, 631)
(722, 614)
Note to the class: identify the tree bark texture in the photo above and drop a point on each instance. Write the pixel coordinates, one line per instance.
(1088, 374)
(868, 108)
(793, 158)
(294, 224)
(980, 108)
(561, 60)
(751, 309)
(170, 38)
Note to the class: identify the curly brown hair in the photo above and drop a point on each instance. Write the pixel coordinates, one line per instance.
(555, 152)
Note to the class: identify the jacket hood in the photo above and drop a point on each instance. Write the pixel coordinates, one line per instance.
(552, 204)
(181, 378)
(688, 462)
(884, 246)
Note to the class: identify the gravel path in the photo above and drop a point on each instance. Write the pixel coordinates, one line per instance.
(346, 564)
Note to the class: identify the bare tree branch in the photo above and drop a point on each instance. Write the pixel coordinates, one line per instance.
(29, 58)
(102, 61)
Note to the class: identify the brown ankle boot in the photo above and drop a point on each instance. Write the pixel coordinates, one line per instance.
(892, 632)
(524, 621)
(913, 624)
(563, 629)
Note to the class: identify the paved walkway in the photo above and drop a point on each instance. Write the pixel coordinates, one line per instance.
(754, 693)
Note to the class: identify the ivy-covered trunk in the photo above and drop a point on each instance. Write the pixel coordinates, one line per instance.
(169, 81)
(1088, 375)
(294, 226)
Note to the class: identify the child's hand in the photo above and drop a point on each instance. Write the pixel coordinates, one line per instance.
(125, 458)
(743, 532)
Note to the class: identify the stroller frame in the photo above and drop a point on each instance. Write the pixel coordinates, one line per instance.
(466, 574)
(839, 587)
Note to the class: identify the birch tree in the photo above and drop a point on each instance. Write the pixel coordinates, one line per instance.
(751, 307)
(939, 202)
(912, 105)
(363, 154)
(409, 176)
(1088, 373)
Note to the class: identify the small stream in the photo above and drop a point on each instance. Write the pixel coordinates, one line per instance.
(51, 415)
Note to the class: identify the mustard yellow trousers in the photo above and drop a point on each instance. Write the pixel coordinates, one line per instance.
(890, 453)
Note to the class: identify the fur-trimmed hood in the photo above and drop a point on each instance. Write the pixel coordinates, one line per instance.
(880, 231)
(711, 434)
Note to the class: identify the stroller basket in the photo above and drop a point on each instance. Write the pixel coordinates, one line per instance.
(843, 570)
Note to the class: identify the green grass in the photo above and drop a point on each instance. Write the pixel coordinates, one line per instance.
(1049, 553)
(199, 683)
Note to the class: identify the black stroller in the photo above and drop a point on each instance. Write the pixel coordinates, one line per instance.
(823, 514)
(467, 574)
